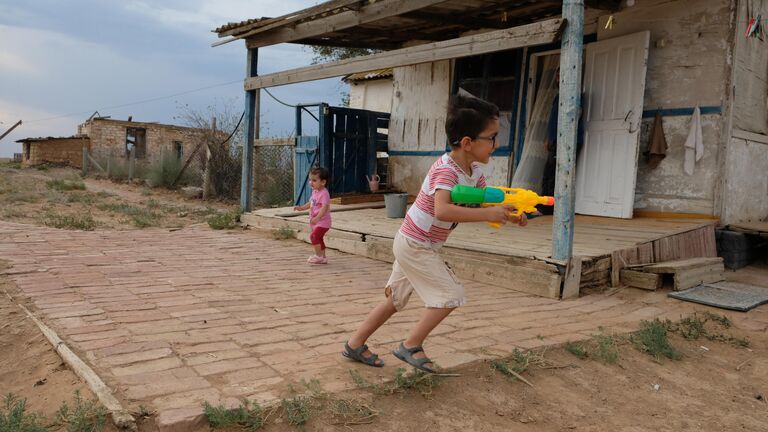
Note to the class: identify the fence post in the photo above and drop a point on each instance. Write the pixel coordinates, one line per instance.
(131, 163)
(207, 170)
(85, 160)
(109, 166)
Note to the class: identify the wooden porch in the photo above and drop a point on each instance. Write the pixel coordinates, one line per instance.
(514, 257)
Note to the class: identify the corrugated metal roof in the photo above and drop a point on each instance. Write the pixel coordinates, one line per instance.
(233, 25)
(370, 75)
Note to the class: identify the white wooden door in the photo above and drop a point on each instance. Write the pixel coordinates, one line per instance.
(614, 84)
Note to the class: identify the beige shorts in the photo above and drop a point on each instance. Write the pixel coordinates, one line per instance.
(419, 267)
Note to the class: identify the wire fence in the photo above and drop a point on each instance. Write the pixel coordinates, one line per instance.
(161, 170)
(273, 175)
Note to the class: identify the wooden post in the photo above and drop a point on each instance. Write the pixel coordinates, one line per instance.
(207, 171)
(131, 163)
(567, 128)
(251, 133)
(109, 166)
(85, 160)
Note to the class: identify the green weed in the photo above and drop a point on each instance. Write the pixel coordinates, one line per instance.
(249, 415)
(418, 381)
(226, 220)
(14, 417)
(84, 416)
(297, 409)
(578, 349)
(77, 222)
(652, 338)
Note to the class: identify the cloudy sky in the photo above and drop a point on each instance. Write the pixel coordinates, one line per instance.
(62, 60)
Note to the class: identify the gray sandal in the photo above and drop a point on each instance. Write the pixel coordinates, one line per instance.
(406, 355)
(357, 354)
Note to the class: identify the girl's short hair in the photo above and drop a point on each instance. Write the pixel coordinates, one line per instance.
(320, 172)
(468, 116)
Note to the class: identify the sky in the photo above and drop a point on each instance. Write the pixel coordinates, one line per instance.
(60, 61)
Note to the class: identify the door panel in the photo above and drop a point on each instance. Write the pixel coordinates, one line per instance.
(614, 86)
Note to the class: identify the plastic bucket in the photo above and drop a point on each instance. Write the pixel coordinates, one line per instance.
(396, 204)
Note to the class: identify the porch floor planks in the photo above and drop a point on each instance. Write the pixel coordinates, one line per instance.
(593, 236)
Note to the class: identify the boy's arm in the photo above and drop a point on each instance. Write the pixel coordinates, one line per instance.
(446, 211)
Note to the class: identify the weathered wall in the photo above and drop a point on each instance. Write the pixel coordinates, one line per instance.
(745, 193)
(417, 126)
(417, 123)
(108, 138)
(745, 179)
(750, 68)
(58, 151)
(374, 95)
(687, 66)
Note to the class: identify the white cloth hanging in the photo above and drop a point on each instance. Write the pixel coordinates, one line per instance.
(694, 144)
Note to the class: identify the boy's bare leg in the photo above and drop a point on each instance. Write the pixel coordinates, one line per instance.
(378, 316)
(429, 320)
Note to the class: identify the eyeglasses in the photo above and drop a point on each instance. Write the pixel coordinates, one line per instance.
(492, 139)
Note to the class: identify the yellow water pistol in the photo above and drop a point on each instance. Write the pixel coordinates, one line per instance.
(523, 200)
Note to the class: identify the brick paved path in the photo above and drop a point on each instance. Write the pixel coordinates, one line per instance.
(169, 319)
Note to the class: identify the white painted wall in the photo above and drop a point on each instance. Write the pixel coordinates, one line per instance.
(687, 65)
(372, 95)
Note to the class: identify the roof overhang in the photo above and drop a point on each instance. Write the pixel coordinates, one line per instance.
(393, 24)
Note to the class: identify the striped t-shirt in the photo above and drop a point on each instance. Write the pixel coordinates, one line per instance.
(420, 223)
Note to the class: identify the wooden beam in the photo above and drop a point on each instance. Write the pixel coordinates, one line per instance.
(567, 125)
(345, 43)
(531, 34)
(461, 21)
(373, 12)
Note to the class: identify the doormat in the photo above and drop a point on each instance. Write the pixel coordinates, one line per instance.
(725, 295)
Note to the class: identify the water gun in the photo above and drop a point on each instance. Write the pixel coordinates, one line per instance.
(523, 200)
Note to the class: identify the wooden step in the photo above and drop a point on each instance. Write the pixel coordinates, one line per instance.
(689, 273)
(642, 280)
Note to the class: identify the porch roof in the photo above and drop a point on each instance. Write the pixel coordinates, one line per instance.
(392, 24)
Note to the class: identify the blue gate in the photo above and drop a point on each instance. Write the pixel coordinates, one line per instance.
(347, 145)
(305, 158)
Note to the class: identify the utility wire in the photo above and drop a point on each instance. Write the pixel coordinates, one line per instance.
(135, 103)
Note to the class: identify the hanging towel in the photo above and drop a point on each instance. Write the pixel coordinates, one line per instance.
(657, 148)
(694, 144)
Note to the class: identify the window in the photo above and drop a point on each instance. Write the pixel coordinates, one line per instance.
(496, 78)
(135, 138)
(178, 149)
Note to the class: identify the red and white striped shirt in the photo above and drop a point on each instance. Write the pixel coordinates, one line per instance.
(420, 223)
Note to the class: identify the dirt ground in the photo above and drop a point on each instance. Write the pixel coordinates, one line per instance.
(53, 197)
(715, 386)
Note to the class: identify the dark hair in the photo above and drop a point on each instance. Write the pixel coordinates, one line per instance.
(319, 171)
(468, 116)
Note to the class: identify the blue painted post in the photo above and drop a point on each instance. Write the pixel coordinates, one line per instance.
(567, 125)
(251, 133)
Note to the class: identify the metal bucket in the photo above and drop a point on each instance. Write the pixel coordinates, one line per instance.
(395, 204)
